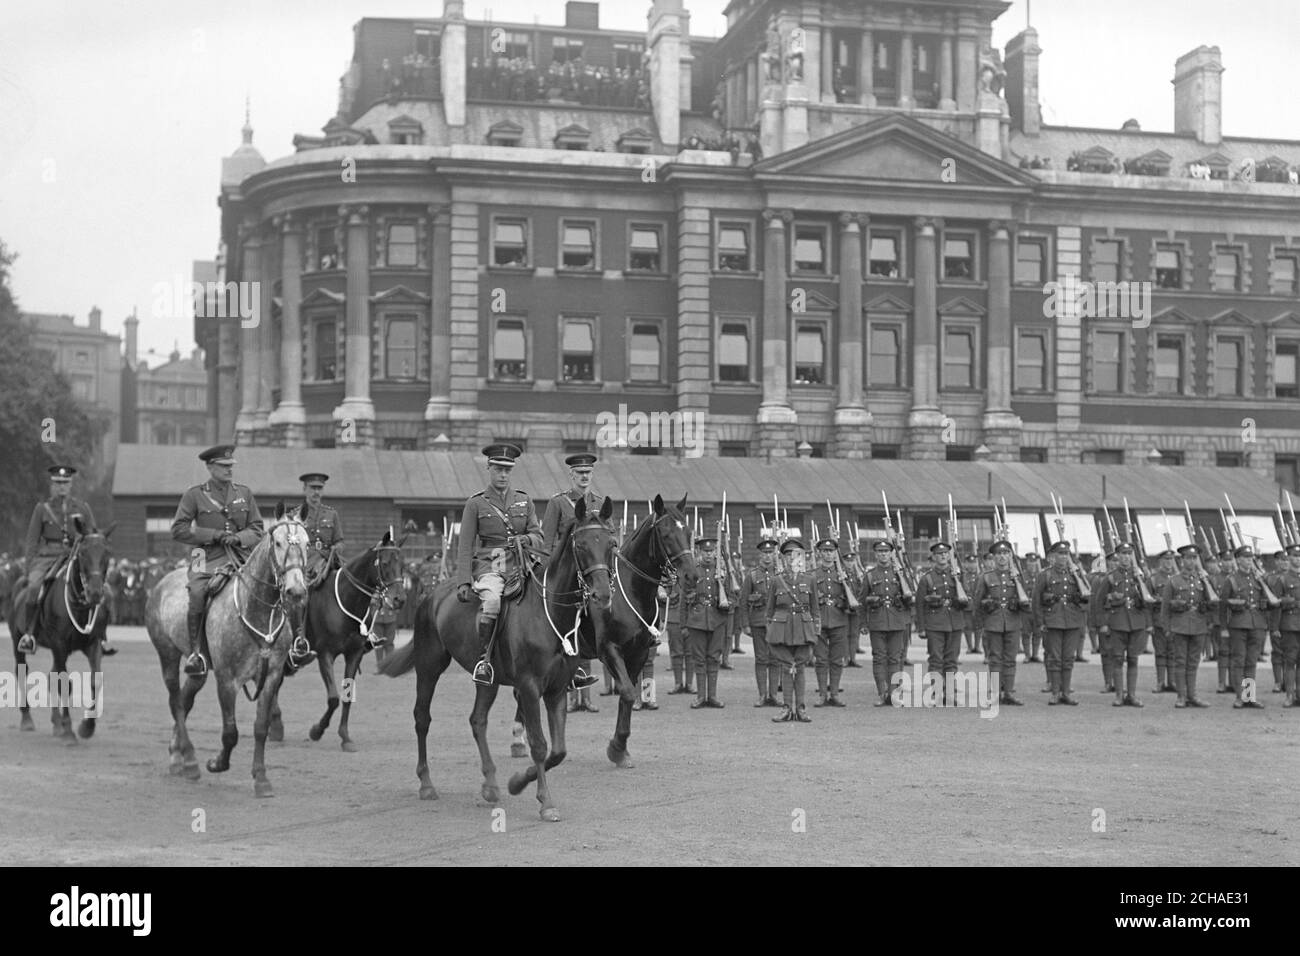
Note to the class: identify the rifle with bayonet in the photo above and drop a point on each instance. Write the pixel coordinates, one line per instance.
(899, 560)
(722, 571)
(1133, 537)
(952, 541)
(1255, 563)
(833, 526)
(1200, 566)
(1084, 589)
(1002, 532)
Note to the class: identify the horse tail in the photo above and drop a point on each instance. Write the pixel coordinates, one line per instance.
(400, 661)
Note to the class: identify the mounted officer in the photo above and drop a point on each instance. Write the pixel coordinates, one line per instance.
(49, 542)
(324, 529)
(221, 518)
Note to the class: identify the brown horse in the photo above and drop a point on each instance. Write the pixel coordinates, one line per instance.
(336, 613)
(247, 638)
(73, 618)
(529, 654)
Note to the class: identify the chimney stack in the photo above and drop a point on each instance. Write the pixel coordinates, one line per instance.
(1022, 81)
(454, 66)
(132, 325)
(664, 39)
(1198, 95)
(95, 316)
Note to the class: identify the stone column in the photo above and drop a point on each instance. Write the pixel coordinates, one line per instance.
(268, 364)
(289, 420)
(776, 419)
(752, 91)
(354, 419)
(665, 41)
(946, 101)
(828, 66)
(249, 336)
(866, 67)
(812, 59)
(967, 62)
(225, 406)
(906, 99)
(925, 420)
(1001, 424)
(852, 420)
(437, 412)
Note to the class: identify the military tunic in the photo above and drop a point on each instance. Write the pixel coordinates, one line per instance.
(51, 532)
(206, 513)
(1117, 604)
(1161, 646)
(1058, 606)
(324, 532)
(941, 616)
(751, 614)
(706, 624)
(889, 624)
(1185, 608)
(831, 651)
(1244, 612)
(561, 512)
(490, 528)
(999, 615)
(1286, 625)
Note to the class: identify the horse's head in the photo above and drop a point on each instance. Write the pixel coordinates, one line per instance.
(289, 544)
(91, 556)
(593, 542)
(670, 535)
(390, 571)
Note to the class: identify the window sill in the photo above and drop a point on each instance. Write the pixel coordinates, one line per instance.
(658, 386)
(513, 384)
(644, 274)
(512, 270)
(966, 283)
(962, 391)
(815, 276)
(399, 382)
(736, 273)
(583, 386)
(417, 267)
(814, 386)
(592, 273)
(313, 273)
(887, 280)
(738, 386)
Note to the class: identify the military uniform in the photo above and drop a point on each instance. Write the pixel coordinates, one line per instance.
(325, 532)
(1058, 609)
(1103, 639)
(999, 615)
(1185, 608)
(1118, 607)
(50, 534)
(970, 574)
(490, 528)
(1218, 633)
(1031, 638)
(1286, 626)
(1244, 613)
(940, 615)
(678, 655)
(751, 612)
(888, 623)
(559, 517)
(793, 627)
(831, 651)
(706, 627)
(1161, 646)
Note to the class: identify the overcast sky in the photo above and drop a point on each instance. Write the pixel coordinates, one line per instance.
(114, 115)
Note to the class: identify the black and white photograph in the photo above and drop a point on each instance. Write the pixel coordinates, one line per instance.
(654, 433)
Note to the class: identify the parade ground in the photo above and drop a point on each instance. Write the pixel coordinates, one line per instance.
(1086, 785)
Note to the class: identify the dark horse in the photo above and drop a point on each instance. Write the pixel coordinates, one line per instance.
(247, 638)
(73, 618)
(336, 613)
(528, 654)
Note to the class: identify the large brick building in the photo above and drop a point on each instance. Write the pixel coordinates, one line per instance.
(842, 246)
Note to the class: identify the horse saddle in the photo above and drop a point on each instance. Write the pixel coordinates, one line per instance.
(220, 578)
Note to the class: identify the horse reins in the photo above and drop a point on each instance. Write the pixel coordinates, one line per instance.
(584, 589)
(277, 573)
(67, 588)
(668, 562)
(368, 616)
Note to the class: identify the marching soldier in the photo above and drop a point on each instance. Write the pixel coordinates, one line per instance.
(940, 613)
(888, 620)
(222, 518)
(1160, 642)
(831, 648)
(560, 515)
(706, 623)
(1058, 611)
(1119, 612)
(1031, 638)
(751, 609)
(793, 627)
(1244, 617)
(999, 613)
(49, 539)
(970, 574)
(1185, 608)
(1286, 623)
(1102, 639)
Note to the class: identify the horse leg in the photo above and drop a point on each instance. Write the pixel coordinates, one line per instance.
(229, 729)
(90, 696)
(628, 689)
(617, 749)
(530, 710)
(518, 736)
(266, 703)
(351, 671)
(275, 732)
(60, 689)
(181, 713)
(326, 661)
(483, 698)
(20, 664)
(426, 682)
(171, 679)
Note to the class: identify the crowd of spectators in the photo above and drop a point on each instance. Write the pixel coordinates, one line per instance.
(520, 80)
(416, 75)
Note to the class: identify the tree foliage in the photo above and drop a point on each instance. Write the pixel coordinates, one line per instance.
(36, 405)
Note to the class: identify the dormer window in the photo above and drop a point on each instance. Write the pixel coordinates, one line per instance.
(573, 137)
(635, 141)
(405, 131)
(505, 134)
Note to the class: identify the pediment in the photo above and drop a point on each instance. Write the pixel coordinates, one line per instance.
(1286, 318)
(1097, 153)
(323, 297)
(399, 294)
(961, 306)
(1231, 317)
(897, 148)
(1156, 156)
(405, 122)
(1214, 161)
(887, 303)
(814, 301)
(1172, 316)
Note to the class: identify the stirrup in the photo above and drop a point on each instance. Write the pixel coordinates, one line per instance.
(582, 679)
(196, 665)
(27, 644)
(483, 673)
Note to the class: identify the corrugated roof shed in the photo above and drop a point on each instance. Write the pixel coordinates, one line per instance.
(408, 477)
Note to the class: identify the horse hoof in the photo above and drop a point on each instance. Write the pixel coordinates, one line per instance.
(625, 764)
(613, 753)
(516, 784)
(190, 771)
(491, 794)
(26, 723)
(550, 814)
(215, 766)
(348, 747)
(275, 732)
(518, 750)
(69, 739)
(428, 793)
(86, 729)
(315, 733)
(262, 788)
(176, 768)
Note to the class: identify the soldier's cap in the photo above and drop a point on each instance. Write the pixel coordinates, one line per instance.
(828, 544)
(998, 547)
(973, 557)
(1123, 548)
(1293, 550)
(581, 462)
(1189, 550)
(1167, 553)
(218, 455)
(1225, 554)
(61, 473)
(1245, 551)
(1110, 555)
(940, 547)
(703, 541)
(766, 544)
(314, 478)
(791, 544)
(1279, 554)
(882, 545)
(1061, 547)
(502, 453)
(1031, 556)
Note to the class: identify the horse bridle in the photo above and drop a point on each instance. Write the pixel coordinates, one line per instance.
(277, 580)
(668, 561)
(68, 587)
(381, 590)
(584, 586)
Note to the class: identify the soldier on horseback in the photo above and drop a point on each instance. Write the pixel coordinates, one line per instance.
(494, 528)
(221, 518)
(48, 544)
(324, 530)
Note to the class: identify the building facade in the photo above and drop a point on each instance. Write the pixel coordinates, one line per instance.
(847, 245)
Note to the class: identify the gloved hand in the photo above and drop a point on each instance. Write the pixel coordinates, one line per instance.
(462, 594)
(988, 605)
(874, 600)
(230, 540)
(933, 600)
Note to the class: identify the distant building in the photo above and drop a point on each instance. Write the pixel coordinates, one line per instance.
(166, 405)
(90, 358)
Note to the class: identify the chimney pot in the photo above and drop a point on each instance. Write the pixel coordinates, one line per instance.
(1198, 94)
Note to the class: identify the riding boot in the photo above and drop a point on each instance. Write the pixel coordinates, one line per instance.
(483, 672)
(713, 691)
(1180, 684)
(690, 674)
(701, 690)
(799, 713)
(678, 686)
(1132, 697)
(195, 663)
